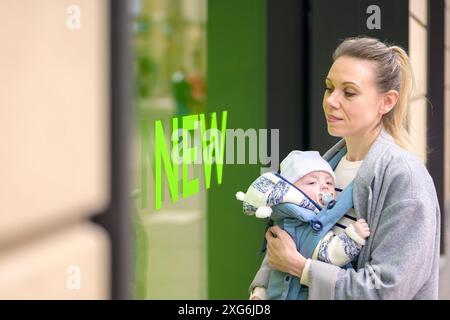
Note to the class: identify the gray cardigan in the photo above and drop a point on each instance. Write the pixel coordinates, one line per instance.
(394, 192)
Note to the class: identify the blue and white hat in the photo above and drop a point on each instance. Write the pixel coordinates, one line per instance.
(299, 163)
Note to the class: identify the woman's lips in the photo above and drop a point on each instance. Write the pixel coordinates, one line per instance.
(331, 118)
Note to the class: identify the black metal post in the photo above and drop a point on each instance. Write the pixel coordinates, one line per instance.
(117, 218)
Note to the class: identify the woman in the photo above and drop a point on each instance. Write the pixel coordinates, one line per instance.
(366, 103)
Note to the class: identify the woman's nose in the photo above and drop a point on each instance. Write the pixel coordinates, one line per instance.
(332, 100)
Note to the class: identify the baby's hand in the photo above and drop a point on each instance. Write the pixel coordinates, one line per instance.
(362, 228)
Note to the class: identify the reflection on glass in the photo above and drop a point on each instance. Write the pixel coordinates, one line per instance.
(169, 69)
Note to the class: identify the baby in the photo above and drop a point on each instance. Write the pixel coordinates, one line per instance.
(307, 180)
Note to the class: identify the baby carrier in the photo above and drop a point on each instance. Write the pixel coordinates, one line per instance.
(307, 227)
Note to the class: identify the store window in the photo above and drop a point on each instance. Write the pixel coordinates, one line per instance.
(169, 72)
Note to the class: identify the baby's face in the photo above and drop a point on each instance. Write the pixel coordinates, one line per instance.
(315, 184)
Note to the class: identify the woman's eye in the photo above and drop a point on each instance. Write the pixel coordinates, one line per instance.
(328, 89)
(349, 94)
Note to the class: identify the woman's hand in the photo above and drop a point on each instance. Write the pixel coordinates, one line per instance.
(282, 253)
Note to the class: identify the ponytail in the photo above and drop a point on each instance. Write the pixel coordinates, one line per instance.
(396, 121)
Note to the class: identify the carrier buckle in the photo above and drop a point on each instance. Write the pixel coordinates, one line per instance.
(316, 225)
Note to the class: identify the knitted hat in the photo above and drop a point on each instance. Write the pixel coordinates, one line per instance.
(299, 163)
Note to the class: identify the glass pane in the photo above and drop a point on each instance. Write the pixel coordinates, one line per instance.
(169, 70)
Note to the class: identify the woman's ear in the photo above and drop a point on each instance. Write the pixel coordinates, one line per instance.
(390, 98)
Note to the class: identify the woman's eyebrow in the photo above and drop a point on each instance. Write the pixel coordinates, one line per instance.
(349, 82)
(346, 82)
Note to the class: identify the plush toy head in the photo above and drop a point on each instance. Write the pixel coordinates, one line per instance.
(269, 190)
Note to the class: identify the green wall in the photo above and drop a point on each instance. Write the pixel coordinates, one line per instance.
(236, 83)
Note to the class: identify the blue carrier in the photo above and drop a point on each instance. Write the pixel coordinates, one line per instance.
(306, 228)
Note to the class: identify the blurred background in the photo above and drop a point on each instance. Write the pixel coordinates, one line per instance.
(81, 79)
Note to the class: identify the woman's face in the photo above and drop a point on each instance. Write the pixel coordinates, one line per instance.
(351, 102)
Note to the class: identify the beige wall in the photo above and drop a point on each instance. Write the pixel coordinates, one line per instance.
(71, 263)
(53, 148)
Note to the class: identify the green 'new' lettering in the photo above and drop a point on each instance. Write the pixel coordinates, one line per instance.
(213, 150)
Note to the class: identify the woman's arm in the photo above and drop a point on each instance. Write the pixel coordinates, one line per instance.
(402, 256)
(401, 259)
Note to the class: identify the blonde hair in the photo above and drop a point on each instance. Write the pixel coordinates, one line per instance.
(393, 72)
